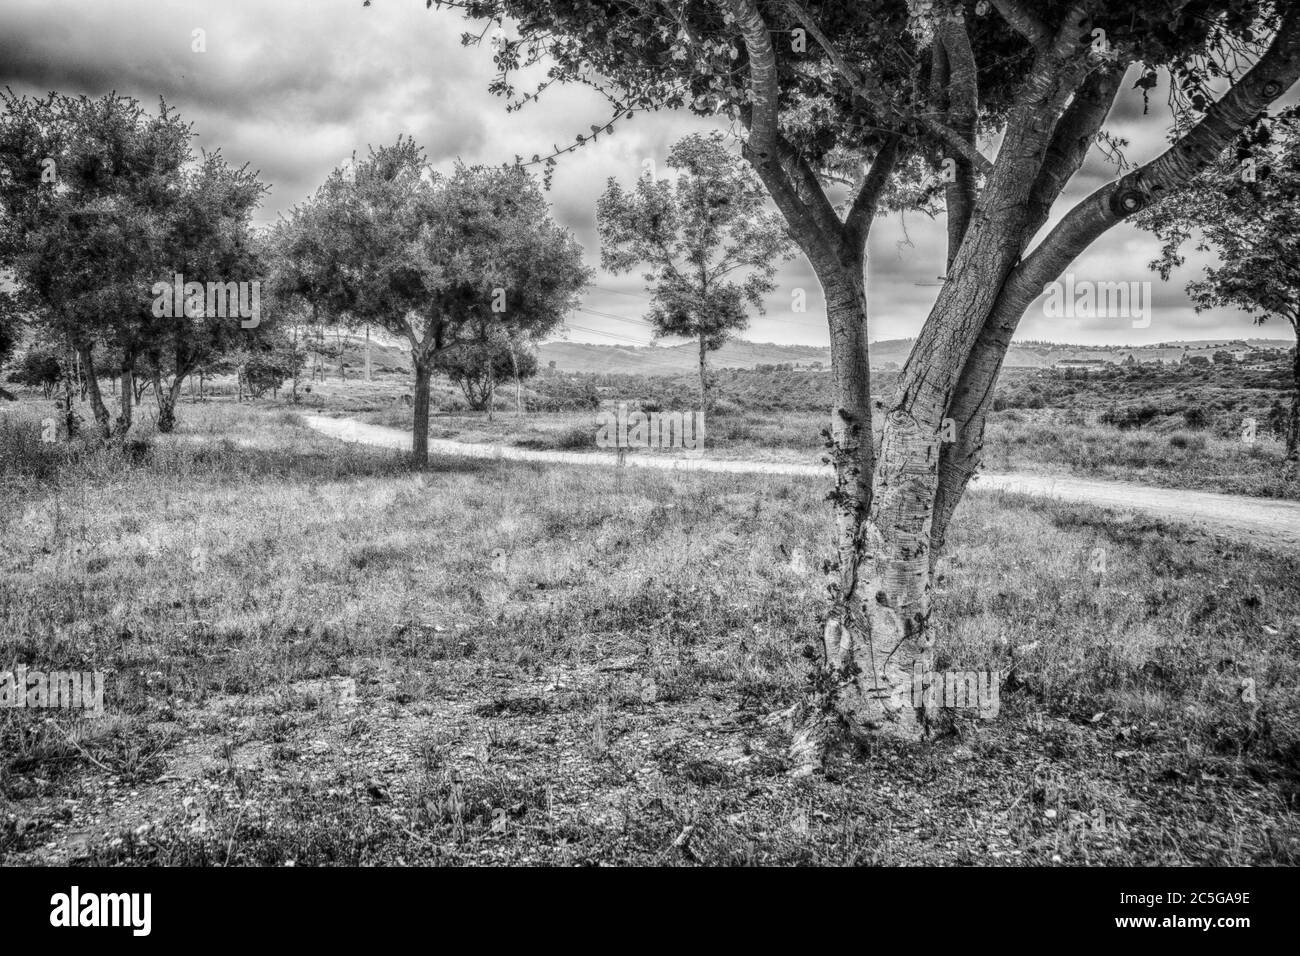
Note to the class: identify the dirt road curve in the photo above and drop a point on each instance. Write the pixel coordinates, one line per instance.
(1258, 520)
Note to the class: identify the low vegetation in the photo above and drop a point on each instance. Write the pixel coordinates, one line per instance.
(317, 655)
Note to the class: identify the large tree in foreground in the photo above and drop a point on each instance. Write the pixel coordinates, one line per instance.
(696, 235)
(875, 91)
(1246, 208)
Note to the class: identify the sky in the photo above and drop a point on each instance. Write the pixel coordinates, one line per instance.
(293, 87)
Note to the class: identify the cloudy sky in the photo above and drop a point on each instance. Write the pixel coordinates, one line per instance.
(293, 87)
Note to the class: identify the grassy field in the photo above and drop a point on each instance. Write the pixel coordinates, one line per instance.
(315, 655)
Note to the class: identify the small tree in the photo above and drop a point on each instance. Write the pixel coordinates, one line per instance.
(475, 367)
(39, 367)
(1245, 208)
(695, 234)
(438, 259)
(207, 239)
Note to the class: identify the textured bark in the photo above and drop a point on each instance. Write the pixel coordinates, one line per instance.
(519, 388)
(704, 376)
(167, 396)
(957, 86)
(842, 694)
(126, 402)
(420, 429)
(97, 406)
(1293, 426)
(69, 414)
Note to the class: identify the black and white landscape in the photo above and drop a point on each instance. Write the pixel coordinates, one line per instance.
(660, 433)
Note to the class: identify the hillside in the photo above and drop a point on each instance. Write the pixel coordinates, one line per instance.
(660, 360)
(389, 353)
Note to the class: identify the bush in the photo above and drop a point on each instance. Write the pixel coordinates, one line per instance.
(1187, 442)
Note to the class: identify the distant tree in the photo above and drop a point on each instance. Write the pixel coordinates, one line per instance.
(39, 367)
(10, 325)
(265, 365)
(1244, 208)
(695, 234)
(207, 238)
(473, 367)
(437, 259)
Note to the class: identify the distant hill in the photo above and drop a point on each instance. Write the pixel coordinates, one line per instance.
(668, 360)
(391, 352)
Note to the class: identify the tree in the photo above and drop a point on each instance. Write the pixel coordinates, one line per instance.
(880, 94)
(1244, 208)
(10, 325)
(39, 368)
(695, 234)
(265, 364)
(474, 367)
(84, 185)
(435, 258)
(109, 220)
(207, 238)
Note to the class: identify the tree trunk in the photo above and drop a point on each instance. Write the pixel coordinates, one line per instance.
(1293, 426)
(167, 401)
(69, 415)
(125, 408)
(81, 376)
(842, 681)
(295, 365)
(519, 390)
(420, 428)
(704, 377)
(367, 353)
(102, 417)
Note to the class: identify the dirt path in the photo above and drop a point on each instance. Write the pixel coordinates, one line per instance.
(1264, 521)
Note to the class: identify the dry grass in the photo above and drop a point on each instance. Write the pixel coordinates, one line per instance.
(316, 655)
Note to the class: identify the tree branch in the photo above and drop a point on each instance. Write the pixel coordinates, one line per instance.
(785, 173)
(962, 103)
(863, 210)
(1024, 21)
(1275, 72)
(867, 87)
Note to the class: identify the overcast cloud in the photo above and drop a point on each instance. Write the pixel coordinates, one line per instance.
(293, 87)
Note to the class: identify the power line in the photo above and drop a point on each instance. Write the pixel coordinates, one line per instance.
(632, 295)
(617, 318)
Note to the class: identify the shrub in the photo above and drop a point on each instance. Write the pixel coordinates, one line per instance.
(1187, 442)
